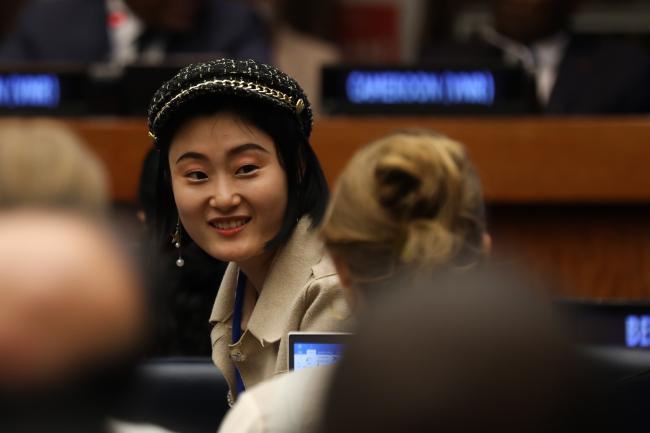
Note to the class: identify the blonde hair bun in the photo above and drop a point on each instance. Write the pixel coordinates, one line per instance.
(418, 179)
(412, 194)
(405, 185)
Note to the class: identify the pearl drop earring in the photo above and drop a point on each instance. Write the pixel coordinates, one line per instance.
(176, 241)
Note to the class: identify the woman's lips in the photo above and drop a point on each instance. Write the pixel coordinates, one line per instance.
(230, 227)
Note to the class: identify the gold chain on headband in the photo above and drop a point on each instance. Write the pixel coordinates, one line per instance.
(235, 84)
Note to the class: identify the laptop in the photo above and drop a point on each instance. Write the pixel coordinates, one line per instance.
(313, 349)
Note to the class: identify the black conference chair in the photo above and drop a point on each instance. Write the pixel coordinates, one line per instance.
(185, 395)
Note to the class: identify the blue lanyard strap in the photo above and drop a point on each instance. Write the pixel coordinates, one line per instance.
(236, 324)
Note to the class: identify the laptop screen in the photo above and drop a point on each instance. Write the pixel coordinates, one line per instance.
(307, 349)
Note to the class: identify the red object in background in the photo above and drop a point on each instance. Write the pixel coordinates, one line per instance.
(115, 19)
(369, 32)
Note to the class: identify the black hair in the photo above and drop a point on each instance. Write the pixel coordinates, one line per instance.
(307, 193)
(147, 184)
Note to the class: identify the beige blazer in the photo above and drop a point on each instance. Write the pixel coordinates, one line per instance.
(301, 293)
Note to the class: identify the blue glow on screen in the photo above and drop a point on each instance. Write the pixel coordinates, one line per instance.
(420, 87)
(308, 355)
(637, 331)
(29, 90)
(321, 348)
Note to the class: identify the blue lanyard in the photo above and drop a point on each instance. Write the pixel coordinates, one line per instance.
(236, 324)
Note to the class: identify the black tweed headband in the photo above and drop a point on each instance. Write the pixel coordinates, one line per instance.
(244, 78)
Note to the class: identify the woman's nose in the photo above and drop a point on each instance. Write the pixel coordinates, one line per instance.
(224, 197)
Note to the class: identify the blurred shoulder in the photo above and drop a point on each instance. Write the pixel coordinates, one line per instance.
(290, 402)
(117, 426)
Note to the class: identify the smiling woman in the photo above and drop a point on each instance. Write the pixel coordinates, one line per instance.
(239, 178)
(230, 189)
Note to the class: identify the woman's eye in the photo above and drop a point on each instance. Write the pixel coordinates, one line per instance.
(246, 169)
(196, 175)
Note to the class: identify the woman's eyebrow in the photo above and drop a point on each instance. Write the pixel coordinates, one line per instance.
(192, 155)
(244, 148)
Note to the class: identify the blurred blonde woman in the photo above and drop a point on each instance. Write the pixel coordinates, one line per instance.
(44, 164)
(406, 204)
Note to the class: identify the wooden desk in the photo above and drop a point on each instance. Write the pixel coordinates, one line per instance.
(520, 160)
(570, 196)
(523, 160)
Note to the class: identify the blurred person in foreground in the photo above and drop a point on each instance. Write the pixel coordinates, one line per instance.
(72, 309)
(572, 73)
(474, 352)
(126, 31)
(408, 204)
(72, 316)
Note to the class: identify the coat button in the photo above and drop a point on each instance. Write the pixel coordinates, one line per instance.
(237, 356)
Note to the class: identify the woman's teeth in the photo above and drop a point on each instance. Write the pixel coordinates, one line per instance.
(230, 224)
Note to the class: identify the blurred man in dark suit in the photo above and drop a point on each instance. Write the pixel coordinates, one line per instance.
(125, 31)
(573, 74)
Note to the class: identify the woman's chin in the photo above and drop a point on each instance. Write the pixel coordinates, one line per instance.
(233, 256)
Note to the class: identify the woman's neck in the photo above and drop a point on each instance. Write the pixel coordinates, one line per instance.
(257, 268)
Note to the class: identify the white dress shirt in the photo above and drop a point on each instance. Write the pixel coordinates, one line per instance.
(541, 59)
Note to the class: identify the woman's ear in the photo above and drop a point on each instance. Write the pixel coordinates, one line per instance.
(487, 243)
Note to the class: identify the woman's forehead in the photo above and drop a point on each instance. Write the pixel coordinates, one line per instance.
(219, 133)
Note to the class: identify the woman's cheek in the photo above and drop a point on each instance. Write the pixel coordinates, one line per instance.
(187, 202)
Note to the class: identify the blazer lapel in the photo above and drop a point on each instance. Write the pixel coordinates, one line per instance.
(289, 274)
(225, 300)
